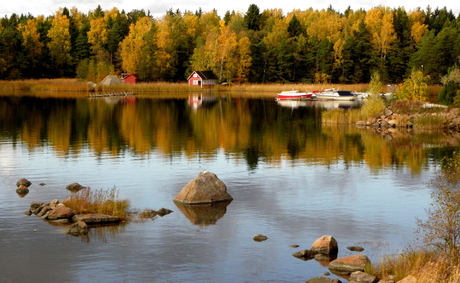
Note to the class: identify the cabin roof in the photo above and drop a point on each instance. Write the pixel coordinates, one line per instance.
(205, 75)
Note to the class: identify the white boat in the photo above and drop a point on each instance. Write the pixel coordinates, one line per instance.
(332, 94)
(294, 94)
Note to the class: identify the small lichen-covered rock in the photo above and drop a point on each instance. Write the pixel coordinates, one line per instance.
(349, 264)
(259, 238)
(204, 188)
(23, 182)
(355, 248)
(325, 245)
(163, 211)
(75, 187)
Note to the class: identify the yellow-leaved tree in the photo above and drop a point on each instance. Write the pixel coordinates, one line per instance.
(132, 45)
(59, 45)
(379, 22)
(98, 36)
(418, 27)
(31, 38)
(415, 87)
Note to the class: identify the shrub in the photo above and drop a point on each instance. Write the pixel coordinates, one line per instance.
(373, 106)
(441, 230)
(98, 201)
(415, 87)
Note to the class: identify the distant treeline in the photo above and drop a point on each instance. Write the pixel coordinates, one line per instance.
(309, 46)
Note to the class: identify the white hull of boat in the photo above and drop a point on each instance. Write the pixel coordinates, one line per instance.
(336, 95)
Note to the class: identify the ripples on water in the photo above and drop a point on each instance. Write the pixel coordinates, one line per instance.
(292, 201)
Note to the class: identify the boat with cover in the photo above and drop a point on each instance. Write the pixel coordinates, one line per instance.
(332, 94)
(294, 94)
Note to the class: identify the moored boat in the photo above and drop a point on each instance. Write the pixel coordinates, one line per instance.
(332, 94)
(294, 94)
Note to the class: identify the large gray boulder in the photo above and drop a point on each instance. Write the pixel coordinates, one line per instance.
(204, 188)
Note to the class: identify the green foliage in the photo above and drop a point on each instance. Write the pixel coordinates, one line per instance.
(441, 230)
(448, 92)
(415, 87)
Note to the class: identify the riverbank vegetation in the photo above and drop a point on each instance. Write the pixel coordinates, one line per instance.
(434, 256)
(299, 46)
(88, 201)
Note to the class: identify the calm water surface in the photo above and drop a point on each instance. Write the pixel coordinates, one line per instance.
(292, 179)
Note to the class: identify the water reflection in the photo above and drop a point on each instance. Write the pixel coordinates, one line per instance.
(292, 179)
(204, 214)
(202, 100)
(249, 129)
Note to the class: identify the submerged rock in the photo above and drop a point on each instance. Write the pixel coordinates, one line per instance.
(96, 219)
(204, 188)
(148, 213)
(355, 248)
(75, 187)
(78, 228)
(260, 238)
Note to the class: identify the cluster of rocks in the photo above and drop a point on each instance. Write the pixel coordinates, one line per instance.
(325, 250)
(450, 118)
(55, 212)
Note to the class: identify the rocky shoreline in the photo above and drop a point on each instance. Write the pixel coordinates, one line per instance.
(447, 118)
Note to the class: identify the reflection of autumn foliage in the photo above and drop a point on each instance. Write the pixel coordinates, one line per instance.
(250, 130)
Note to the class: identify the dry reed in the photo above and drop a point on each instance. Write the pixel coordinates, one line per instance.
(425, 266)
(98, 201)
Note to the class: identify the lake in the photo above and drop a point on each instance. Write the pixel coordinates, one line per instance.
(292, 179)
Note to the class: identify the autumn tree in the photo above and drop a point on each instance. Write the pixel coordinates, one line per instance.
(59, 44)
(379, 22)
(415, 87)
(31, 43)
(132, 45)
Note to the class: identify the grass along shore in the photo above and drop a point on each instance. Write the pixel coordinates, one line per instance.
(75, 85)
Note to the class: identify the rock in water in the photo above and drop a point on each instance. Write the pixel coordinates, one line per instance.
(204, 188)
(23, 182)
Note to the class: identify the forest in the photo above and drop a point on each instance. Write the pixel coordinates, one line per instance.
(300, 46)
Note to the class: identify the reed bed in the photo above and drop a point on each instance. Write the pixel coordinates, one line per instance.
(424, 265)
(75, 85)
(98, 201)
